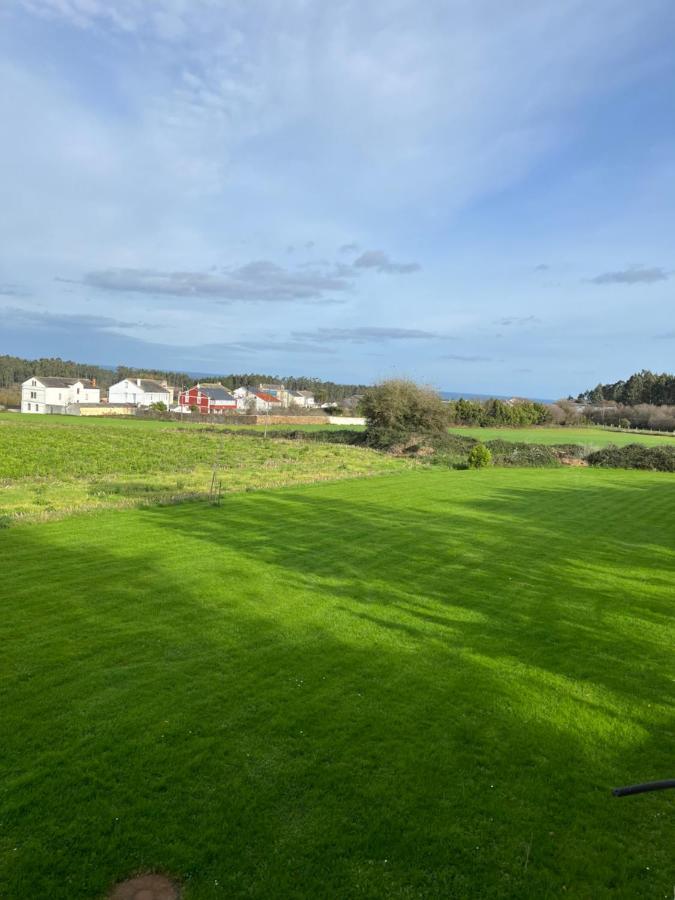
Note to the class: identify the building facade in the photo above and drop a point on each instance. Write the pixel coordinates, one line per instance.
(141, 392)
(207, 399)
(44, 395)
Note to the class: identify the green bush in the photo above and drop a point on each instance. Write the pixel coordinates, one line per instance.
(397, 409)
(479, 457)
(634, 456)
(509, 453)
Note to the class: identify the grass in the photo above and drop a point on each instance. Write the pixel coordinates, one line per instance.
(592, 437)
(419, 686)
(48, 468)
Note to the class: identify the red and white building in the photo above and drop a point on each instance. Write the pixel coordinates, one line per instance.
(208, 399)
(252, 401)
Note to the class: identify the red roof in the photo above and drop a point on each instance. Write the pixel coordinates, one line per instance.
(268, 398)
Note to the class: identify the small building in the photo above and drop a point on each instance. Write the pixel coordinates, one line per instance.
(141, 392)
(101, 409)
(252, 400)
(207, 398)
(277, 391)
(46, 394)
(302, 398)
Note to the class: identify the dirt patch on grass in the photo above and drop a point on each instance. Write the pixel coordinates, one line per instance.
(146, 887)
(572, 461)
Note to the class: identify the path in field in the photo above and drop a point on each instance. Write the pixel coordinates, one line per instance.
(418, 686)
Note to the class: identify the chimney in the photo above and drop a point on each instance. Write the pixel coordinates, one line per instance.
(138, 382)
(93, 382)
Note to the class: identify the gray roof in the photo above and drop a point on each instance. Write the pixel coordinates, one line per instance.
(63, 382)
(217, 393)
(149, 386)
(303, 393)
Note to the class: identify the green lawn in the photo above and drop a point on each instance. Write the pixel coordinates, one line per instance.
(590, 436)
(419, 686)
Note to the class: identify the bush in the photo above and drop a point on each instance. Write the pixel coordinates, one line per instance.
(479, 457)
(634, 456)
(509, 453)
(398, 409)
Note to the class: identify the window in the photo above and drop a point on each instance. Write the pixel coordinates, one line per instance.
(33, 395)
(28, 407)
(33, 383)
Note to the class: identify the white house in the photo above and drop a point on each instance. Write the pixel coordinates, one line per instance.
(302, 398)
(140, 392)
(249, 400)
(52, 395)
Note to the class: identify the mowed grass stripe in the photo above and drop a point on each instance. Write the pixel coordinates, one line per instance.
(415, 686)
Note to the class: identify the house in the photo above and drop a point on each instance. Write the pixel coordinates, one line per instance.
(44, 394)
(253, 401)
(264, 402)
(141, 392)
(276, 390)
(208, 398)
(302, 398)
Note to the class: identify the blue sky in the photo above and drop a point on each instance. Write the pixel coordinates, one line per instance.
(478, 194)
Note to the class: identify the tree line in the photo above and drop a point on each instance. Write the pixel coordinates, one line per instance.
(641, 387)
(14, 370)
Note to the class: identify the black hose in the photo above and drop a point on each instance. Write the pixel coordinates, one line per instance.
(643, 788)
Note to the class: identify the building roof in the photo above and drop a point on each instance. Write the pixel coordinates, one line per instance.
(50, 381)
(268, 398)
(302, 393)
(218, 393)
(271, 387)
(149, 386)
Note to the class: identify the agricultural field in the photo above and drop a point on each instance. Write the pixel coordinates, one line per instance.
(48, 468)
(592, 437)
(417, 686)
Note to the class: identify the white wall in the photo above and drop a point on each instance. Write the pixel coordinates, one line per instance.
(128, 391)
(36, 398)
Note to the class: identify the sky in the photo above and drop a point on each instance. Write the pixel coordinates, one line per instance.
(476, 194)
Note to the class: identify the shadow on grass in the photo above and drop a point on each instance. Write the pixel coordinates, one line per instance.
(381, 690)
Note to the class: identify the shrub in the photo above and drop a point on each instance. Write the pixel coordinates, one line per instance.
(510, 453)
(479, 457)
(397, 409)
(634, 456)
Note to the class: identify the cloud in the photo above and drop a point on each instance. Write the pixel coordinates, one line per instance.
(542, 267)
(257, 281)
(632, 275)
(13, 317)
(12, 290)
(349, 248)
(459, 358)
(363, 334)
(518, 320)
(378, 260)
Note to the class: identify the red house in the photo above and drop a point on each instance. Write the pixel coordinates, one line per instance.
(208, 398)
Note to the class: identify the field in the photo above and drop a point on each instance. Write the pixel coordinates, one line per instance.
(416, 686)
(50, 466)
(588, 437)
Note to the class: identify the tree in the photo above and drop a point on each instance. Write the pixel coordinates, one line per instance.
(479, 457)
(398, 408)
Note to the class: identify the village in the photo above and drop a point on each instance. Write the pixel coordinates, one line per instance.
(81, 397)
